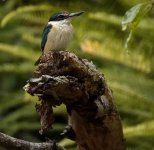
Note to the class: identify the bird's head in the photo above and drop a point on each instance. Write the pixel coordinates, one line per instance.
(64, 16)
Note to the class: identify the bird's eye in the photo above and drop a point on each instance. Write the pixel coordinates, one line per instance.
(60, 16)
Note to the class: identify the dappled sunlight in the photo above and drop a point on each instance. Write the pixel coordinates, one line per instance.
(90, 46)
(104, 49)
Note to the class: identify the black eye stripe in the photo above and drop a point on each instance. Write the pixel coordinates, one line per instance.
(61, 16)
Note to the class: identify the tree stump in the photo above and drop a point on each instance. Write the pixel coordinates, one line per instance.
(62, 77)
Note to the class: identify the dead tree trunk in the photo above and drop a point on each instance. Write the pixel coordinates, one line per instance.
(62, 77)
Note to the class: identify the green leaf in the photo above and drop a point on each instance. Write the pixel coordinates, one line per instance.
(24, 11)
(134, 15)
(19, 52)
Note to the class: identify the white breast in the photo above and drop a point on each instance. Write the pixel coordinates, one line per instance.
(59, 36)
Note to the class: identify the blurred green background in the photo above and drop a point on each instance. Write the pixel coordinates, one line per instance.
(98, 37)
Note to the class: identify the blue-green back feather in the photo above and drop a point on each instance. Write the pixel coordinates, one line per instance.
(45, 35)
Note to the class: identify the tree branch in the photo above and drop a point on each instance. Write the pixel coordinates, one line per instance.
(12, 143)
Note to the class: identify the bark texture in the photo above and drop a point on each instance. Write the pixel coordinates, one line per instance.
(62, 77)
(12, 143)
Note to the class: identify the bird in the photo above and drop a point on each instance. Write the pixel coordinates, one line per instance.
(58, 32)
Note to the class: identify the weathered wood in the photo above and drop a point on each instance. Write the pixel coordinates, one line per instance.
(12, 143)
(62, 77)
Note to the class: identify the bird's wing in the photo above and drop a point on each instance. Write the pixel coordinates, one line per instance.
(45, 35)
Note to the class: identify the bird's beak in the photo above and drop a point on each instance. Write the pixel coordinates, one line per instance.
(76, 14)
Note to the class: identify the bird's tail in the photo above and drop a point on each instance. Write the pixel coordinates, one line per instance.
(38, 61)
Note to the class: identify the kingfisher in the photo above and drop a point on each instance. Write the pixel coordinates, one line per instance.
(58, 32)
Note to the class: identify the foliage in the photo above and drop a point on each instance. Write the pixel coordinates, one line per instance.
(133, 16)
(28, 13)
(99, 38)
